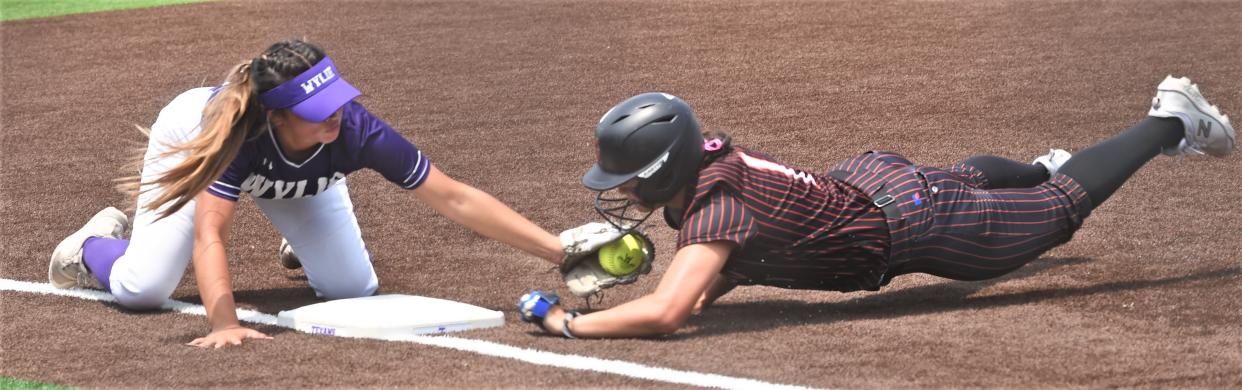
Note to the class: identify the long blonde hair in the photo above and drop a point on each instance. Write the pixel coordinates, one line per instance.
(231, 117)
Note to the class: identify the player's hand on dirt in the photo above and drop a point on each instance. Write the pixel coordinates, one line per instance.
(585, 240)
(228, 337)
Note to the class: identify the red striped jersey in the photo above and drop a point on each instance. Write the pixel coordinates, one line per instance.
(793, 229)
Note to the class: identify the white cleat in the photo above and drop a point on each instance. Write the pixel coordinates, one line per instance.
(66, 269)
(1053, 160)
(1207, 130)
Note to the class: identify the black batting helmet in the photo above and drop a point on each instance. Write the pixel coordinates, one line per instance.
(653, 137)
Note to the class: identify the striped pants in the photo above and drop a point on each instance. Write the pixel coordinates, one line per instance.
(953, 223)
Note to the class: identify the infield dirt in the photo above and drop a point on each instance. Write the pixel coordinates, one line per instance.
(504, 96)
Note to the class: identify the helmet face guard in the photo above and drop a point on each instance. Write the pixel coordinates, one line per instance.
(620, 211)
(652, 138)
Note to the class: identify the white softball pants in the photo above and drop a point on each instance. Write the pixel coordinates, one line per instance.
(322, 229)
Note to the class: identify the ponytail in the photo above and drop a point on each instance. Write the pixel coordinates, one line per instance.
(231, 116)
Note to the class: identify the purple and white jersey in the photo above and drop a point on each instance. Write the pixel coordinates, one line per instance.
(264, 171)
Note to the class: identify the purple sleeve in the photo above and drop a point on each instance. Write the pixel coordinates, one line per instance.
(387, 152)
(228, 186)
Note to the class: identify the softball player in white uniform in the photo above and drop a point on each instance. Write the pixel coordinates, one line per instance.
(285, 129)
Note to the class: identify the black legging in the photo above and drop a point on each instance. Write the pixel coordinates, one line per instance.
(1100, 168)
(1001, 172)
(1103, 167)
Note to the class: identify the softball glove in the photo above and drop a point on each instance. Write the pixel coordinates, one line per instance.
(585, 240)
(585, 277)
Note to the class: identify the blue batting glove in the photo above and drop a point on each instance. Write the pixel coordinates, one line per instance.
(534, 306)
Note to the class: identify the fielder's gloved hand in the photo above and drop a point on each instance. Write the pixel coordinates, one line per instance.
(533, 306)
(584, 240)
(585, 277)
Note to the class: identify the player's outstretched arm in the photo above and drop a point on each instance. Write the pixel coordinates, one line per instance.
(212, 218)
(486, 215)
(692, 272)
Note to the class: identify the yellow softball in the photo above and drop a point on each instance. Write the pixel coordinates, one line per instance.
(623, 256)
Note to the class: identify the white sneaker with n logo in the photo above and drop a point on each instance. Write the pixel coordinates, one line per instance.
(1207, 130)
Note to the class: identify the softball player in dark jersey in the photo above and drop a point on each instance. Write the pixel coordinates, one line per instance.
(285, 129)
(746, 219)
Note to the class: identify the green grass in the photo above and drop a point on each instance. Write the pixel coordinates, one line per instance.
(18, 384)
(29, 9)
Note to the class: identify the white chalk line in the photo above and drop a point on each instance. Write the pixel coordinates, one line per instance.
(543, 358)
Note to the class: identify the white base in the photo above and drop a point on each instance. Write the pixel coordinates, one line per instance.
(388, 317)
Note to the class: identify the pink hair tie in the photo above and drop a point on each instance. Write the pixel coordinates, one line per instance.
(712, 145)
